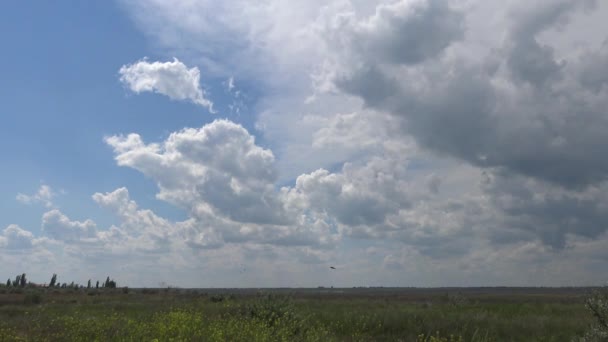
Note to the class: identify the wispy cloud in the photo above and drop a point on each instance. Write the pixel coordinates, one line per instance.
(44, 196)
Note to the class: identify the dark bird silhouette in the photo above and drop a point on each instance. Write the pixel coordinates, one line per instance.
(333, 268)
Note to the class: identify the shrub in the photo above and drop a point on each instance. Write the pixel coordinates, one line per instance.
(270, 309)
(597, 304)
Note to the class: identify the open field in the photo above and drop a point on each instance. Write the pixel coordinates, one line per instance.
(358, 314)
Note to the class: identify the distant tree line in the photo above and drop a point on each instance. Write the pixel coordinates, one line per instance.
(21, 281)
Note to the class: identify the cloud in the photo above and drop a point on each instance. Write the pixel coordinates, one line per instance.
(44, 195)
(547, 212)
(173, 79)
(455, 141)
(230, 84)
(218, 166)
(373, 199)
(139, 234)
(594, 69)
(401, 32)
(463, 77)
(148, 231)
(433, 183)
(528, 59)
(358, 195)
(224, 181)
(58, 226)
(15, 238)
(511, 107)
(480, 87)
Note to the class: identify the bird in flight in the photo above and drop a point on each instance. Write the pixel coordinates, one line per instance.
(333, 268)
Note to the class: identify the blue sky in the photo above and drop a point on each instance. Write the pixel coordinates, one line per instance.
(162, 140)
(60, 97)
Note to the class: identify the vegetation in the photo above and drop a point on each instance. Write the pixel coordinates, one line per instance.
(53, 280)
(106, 314)
(597, 304)
(109, 283)
(21, 281)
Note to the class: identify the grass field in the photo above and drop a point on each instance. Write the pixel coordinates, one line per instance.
(382, 314)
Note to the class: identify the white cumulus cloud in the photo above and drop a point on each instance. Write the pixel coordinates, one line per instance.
(173, 79)
(14, 237)
(59, 227)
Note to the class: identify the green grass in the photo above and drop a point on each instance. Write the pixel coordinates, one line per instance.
(75, 315)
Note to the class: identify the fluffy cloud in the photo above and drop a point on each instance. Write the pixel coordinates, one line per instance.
(359, 195)
(59, 227)
(224, 181)
(173, 79)
(144, 230)
(218, 167)
(15, 238)
(140, 233)
(44, 195)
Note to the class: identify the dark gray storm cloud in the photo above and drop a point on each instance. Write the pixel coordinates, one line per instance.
(409, 33)
(531, 114)
(528, 59)
(594, 69)
(533, 209)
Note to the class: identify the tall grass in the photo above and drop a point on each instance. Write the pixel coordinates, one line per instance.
(162, 316)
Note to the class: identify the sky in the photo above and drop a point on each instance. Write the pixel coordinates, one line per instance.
(257, 143)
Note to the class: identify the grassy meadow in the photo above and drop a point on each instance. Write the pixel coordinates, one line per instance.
(490, 314)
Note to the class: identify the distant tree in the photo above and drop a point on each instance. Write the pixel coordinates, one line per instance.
(8, 282)
(17, 281)
(107, 283)
(53, 280)
(72, 285)
(89, 284)
(23, 280)
(97, 285)
(64, 285)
